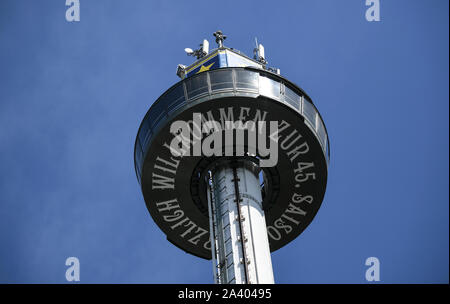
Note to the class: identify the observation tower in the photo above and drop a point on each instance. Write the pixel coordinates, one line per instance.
(232, 161)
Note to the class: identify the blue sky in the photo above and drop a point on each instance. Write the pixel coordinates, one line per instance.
(72, 96)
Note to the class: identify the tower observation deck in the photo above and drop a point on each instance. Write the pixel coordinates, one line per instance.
(232, 161)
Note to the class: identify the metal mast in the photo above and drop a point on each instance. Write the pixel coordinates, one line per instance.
(241, 252)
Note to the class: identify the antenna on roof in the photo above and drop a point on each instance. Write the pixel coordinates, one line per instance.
(202, 51)
(220, 37)
(258, 52)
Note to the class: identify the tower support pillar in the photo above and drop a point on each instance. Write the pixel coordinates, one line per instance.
(239, 241)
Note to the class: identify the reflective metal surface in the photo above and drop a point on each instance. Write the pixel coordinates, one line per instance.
(223, 83)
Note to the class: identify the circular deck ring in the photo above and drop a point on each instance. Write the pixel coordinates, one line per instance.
(172, 185)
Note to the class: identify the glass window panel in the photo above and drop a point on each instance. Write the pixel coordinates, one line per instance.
(269, 87)
(146, 141)
(292, 98)
(246, 79)
(310, 113)
(157, 112)
(321, 132)
(197, 85)
(145, 134)
(175, 97)
(145, 128)
(221, 80)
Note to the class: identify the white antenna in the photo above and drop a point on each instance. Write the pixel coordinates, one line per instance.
(258, 52)
(255, 50)
(199, 53)
(261, 52)
(205, 47)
